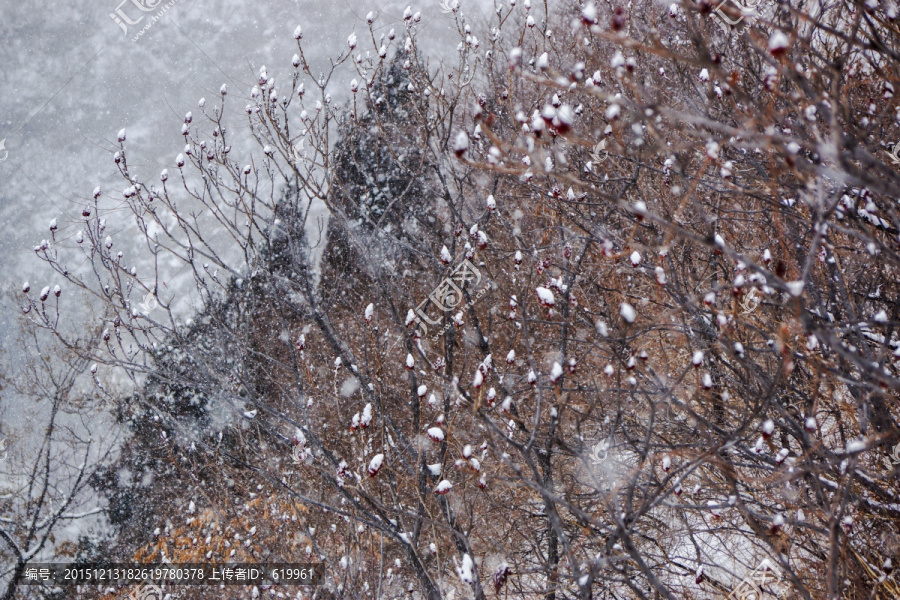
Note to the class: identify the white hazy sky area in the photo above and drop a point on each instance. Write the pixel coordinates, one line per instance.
(71, 78)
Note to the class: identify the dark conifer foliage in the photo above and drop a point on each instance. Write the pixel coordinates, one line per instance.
(383, 199)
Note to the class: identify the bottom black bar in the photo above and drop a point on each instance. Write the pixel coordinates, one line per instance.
(60, 574)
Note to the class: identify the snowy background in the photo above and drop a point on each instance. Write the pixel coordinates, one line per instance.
(70, 79)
